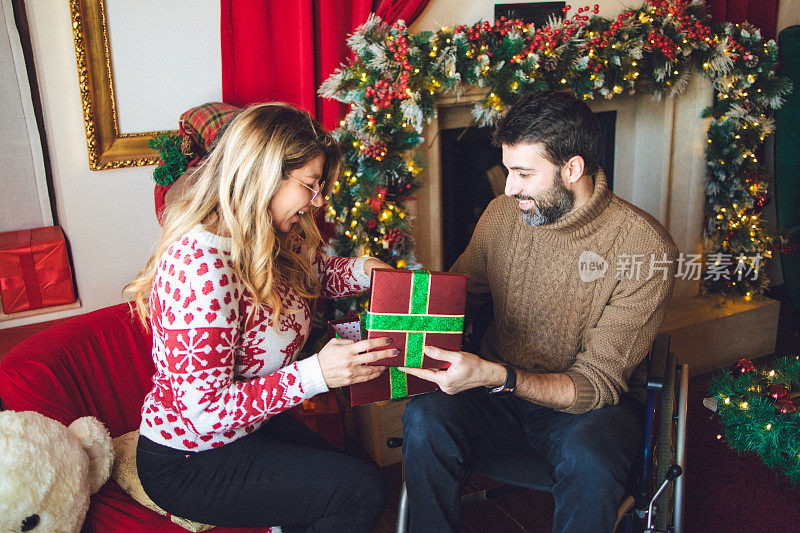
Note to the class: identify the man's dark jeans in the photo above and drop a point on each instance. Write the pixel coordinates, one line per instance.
(590, 454)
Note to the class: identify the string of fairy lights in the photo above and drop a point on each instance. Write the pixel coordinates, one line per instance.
(395, 78)
(758, 412)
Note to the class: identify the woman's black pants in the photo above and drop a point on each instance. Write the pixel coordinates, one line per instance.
(281, 475)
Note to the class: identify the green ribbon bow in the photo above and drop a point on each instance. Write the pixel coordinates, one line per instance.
(417, 323)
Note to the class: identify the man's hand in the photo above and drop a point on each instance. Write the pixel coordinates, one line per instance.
(466, 371)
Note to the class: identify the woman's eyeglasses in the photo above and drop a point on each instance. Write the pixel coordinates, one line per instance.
(315, 192)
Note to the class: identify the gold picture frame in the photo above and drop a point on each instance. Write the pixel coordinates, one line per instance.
(108, 148)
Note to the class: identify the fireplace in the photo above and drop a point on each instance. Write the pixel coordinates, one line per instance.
(472, 175)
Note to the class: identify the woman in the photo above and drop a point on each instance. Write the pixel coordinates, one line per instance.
(228, 295)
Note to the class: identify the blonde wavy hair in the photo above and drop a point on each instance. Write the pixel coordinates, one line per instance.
(252, 157)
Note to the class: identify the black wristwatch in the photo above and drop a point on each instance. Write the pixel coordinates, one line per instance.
(508, 385)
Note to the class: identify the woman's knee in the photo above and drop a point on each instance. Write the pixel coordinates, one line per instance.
(376, 494)
(366, 490)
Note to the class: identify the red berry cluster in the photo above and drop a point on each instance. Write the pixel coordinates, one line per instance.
(673, 7)
(696, 31)
(595, 10)
(476, 32)
(620, 21)
(479, 34)
(604, 40)
(376, 202)
(504, 25)
(547, 38)
(385, 90)
(692, 28)
(736, 46)
(376, 150)
(394, 237)
(400, 47)
(658, 41)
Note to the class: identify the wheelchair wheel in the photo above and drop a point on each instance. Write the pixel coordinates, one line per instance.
(671, 445)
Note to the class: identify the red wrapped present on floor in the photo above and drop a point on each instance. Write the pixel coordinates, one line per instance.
(415, 308)
(34, 269)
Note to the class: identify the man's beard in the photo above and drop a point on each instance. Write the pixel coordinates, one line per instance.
(551, 204)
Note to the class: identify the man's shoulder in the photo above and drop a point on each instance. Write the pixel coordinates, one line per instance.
(500, 209)
(644, 228)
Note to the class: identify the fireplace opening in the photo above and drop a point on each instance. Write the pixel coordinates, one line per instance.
(472, 176)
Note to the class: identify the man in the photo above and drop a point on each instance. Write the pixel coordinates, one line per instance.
(567, 332)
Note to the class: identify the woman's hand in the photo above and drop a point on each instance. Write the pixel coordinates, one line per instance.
(371, 263)
(342, 361)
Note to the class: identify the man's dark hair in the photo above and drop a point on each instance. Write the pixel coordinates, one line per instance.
(562, 124)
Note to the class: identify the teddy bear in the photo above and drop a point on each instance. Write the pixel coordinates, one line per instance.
(49, 470)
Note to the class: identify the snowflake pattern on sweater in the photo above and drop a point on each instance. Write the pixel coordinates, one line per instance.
(218, 378)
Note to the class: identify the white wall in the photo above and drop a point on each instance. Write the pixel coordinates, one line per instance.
(166, 59)
(108, 215)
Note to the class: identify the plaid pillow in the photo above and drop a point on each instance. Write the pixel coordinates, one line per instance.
(200, 125)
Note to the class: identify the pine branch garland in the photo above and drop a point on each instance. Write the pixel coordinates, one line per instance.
(173, 162)
(752, 420)
(656, 47)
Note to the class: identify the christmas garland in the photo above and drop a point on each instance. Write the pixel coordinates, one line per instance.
(173, 161)
(758, 414)
(395, 79)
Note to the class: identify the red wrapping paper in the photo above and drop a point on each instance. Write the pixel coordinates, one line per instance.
(34, 269)
(391, 293)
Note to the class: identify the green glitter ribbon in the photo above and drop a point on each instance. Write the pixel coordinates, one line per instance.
(416, 323)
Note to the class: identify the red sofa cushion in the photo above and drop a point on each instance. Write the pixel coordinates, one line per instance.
(96, 364)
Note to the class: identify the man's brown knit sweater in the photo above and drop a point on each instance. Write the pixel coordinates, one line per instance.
(546, 319)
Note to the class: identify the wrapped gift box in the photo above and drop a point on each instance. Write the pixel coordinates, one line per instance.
(34, 269)
(345, 328)
(415, 308)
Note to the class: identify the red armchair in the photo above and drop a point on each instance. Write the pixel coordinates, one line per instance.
(97, 364)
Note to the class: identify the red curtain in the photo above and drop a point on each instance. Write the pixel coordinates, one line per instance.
(407, 10)
(284, 50)
(762, 14)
